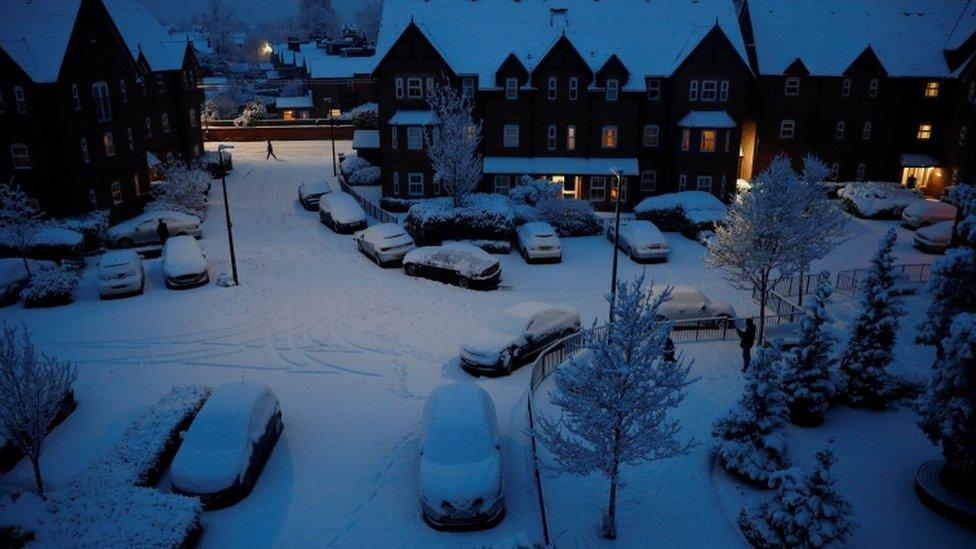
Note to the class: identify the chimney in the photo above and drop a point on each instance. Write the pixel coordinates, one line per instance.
(559, 17)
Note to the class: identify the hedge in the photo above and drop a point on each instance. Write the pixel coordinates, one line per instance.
(482, 217)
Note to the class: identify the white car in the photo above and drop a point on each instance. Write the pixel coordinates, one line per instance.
(309, 194)
(460, 459)
(517, 335)
(641, 240)
(225, 449)
(141, 229)
(922, 213)
(385, 243)
(184, 265)
(538, 241)
(935, 238)
(458, 263)
(689, 303)
(120, 273)
(13, 276)
(340, 212)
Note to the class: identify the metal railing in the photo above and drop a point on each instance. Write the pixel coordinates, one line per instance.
(849, 281)
(373, 210)
(797, 285)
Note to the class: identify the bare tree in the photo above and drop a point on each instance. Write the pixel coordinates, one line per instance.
(368, 18)
(19, 219)
(220, 21)
(452, 142)
(33, 389)
(317, 19)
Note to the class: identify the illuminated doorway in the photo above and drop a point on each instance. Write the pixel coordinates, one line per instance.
(927, 179)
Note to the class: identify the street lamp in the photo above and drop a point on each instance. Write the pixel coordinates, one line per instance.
(230, 235)
(328, 104)
(616, 235)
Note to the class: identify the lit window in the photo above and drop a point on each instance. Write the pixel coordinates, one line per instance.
(122, 93)
(648, 181)
(840, 129)
(609, 138)
(164, 122)
(693, 91)
(787, 129)
(109, 141)
(866, 131)
(511, 88)
(723, 94)
(103, 106)
(160, 84)
(704, 183)
(20, 99)
(76, 97)
(84, 151)
(873, 87)
(573, 88)
(622, 189)
(399, 88)
(792, 86)
(415, 88)
(551, 137)
(415, 184)
(682, 183)
(415, 138)
(598, 188)
(924, 132)
(652, 135)
(962, 135)
(931, 89)
(709, 90)
(861, 168)
(502, 184)
(467, 87)
(845, 88)
(685, 139)
(130, 139)
(613, 89)
(510, 137)
(396, 184)
(570, 138)
(552, 87)
(116, 193)
(653, 89)
(393, 137)
(834, 170)
(20, 156)
(708, 138)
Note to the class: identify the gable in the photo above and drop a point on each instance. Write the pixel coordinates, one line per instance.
(412, 43)
(562, 57)
(613, 68)
(35, 34)
(716, 48)
(797, 68)
(866, 63)
(511, 67)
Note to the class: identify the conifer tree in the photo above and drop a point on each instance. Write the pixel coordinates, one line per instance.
(809, 381)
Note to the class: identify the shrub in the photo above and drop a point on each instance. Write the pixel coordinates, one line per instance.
(533, 191)
(210, 162)
(365, 117)
(491, 246)
(369, 175)
(184, 190)
(687, 212)
(51, 287)
(253, 111)
(524, 213)
(352, 164)
(570, 217)
(52, 243)
(398, 205)
(483, 217)
(876, 200)
(92, 227)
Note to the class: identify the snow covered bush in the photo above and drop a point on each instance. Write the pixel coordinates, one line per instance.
(686, 212)
(751, 443)
(398, 205)
(523, 213)
(806, 512)
(49, 242)
(865, 360)
(209, 161)
(91, 225)
(369, 175)
(184, 190)
(253, 111)
(808, 379)
(877, 200)
(365, 117)
(20, 220)
(481, 217)
(51, 287)
(352, 164)
(570, 217)
(533, 191)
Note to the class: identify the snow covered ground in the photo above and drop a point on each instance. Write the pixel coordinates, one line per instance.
(352, 350)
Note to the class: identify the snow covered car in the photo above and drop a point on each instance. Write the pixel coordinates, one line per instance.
(922, 213)
(141, 229)
(516, 335)
(538, 241)
(458, 263)
(340, 212)
(227, 445)
(689, 303)
(641, 240)
(13, 276)
(385, 243)
(935, 238)
(120, 273)
(184, 265)
(460, 459)
(310, 193)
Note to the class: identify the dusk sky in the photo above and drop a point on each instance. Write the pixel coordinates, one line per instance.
(174, 11)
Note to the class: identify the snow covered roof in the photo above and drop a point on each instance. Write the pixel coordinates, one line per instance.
(707, 119)
(917, 160)
(549, 165)
(366, 139)
(143, 33)
(337, 66)
(908, 36)
(299, 102)
(412, 118)
(650, 38)
(35, 34)
(152, 160)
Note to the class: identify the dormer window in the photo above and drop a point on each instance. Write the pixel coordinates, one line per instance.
(573, 88)
(931, 89)
(467, 87)
(511, 88)
(873, 88)
(613, 89)
(20, 99)
(709, 90)
(792, 86)
(845, 88)
(723, 94)
(399, 88)
(552, 87)
(415, 88)
(693, 91)
(653, 90)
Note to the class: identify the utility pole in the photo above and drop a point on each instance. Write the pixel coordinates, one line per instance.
(335, 168)
(230, 233)
(616, 240)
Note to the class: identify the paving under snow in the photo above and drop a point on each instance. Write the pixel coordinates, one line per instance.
(352, 350)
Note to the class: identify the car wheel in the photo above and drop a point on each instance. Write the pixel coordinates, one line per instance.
(410, 269)
(464, 282)
(125, 243)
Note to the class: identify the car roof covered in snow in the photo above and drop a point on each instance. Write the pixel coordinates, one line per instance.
(642, 229)
(118, 258)
(385, 230)
(929, 206)
(529, 309)
(343, 207)
(315, 187)
(182, 255)
(460, 425)
(35, 34)
(537, 228)
(941, 231)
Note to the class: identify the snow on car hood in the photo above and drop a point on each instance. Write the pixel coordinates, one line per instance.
(344, 208)
(182, 256)
(927, 208)
(937, 232)
(460, 483)
(642, 232)
(487, 344)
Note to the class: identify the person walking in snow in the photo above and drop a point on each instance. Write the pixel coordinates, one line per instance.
(270, 151)
(746, 339)
(669, 351)
(162, 231)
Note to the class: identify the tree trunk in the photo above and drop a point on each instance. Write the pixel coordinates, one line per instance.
(36, 462)
(610, 527)
(763, 294)
(23, 256)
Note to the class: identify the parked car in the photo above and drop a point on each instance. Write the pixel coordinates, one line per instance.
(460, 459)
(688, 303)
(641, 240)
(120, 273)
(13, 276)
(385, 243)
(184, 265)
(922, 213)
(538, 241)
(517, 335)
(225, 449)
(458, 263)
(935, 238)
(340, 212)
(141, 229)
(310, 193)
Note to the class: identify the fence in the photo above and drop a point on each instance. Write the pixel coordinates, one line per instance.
(797, 285)
(371, 209)
(849, 281)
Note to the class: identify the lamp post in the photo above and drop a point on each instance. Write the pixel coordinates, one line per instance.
(230, 234)
(328, 104)
(616, 239)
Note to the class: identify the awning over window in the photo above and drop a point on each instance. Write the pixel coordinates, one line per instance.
(412, 118)
(918, 161)
(559, 165)
(707, 119)
(366, 139)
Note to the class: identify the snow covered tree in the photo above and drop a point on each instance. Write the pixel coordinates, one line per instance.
(865, 360)
(823, 221)
(452, 142)
(253, 111)
(806, 511)
(19, 219)
(318, 19)
(809, 370)
(184, 189)
(368, 18)
(220, 21)
(616, 397)
(32, 392)
(750, 438)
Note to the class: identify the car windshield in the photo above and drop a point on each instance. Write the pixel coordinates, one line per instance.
(545, 235)
(392, 236)
(507, 323)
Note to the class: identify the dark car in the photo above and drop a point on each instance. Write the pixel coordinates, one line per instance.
(458, 263)
(309, 194)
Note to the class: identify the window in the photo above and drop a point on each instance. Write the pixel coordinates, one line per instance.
(502, 184)
(130, 139)
(682, 183)
(76, 97)
(873, 87)
(510, 136)
(103, 107)
(192, 116)
(866, 131)
(969, 97)
(399, 88)
(840, 129)
(723, 92)
(160, 84)
(415, 88)
(845, 88)
(648, 181)
(924, 132)
(551, 137)
(396, 184)
(20, 99)
(20, 156)
(122, 93)
(511, 88)
(787, 129)
(148, 127)
(955, 176)
(415, 138)
(415, 184)
(552, 87)
(834, 170)
(570, 138)
(437, 185)
(792, 86)
(116, 193)
(429, 88)
(931, 89)
(573, 88)
(652, 135)
(109, 141)
(609, 137)
(685, 139)
(598, 188)
(85, 157)
(709, 90)
(861, 168)
(653, 89)
(164, 122)
(708, 139)
(467, 87)
(693, 91)
(704, 183)
(613, 89)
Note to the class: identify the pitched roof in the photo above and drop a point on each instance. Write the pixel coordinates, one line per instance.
(322, 65)
(143, 33)
(650, 38)
(35, 34)
(908, 36)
